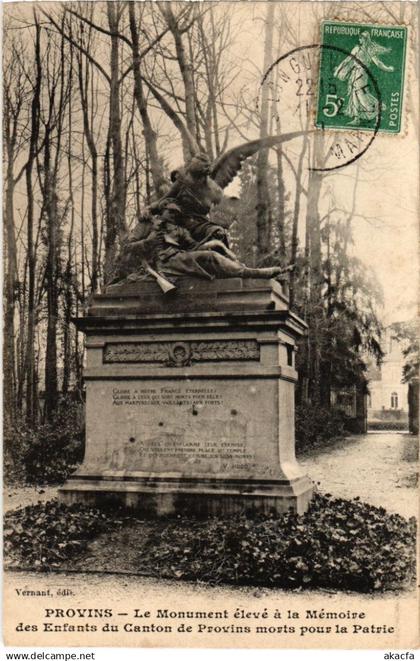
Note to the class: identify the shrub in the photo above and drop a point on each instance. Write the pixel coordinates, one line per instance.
(41, 536)
(15, 444)
(337, 544)
(317, 426)
(48, 453)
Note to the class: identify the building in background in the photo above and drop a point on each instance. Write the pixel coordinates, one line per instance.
(352, 402)
(388, 396)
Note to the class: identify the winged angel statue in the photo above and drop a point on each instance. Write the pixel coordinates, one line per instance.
(175, 235)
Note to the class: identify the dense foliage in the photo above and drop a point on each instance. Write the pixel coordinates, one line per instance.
(407, 333)
(338, 544)
(44, 535)
(48, 452)
(316, 426)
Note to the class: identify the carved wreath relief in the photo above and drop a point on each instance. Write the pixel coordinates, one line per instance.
(180, 354)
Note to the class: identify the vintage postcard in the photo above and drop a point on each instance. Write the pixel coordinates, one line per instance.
(210, 346)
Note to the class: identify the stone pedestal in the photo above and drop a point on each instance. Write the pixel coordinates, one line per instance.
(190, 399)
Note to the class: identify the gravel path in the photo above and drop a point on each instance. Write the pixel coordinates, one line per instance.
(380, 468)
(15, 497)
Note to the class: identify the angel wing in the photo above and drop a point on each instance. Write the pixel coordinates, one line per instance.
(226, 167)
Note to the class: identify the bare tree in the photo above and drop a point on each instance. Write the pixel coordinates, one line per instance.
(15, 96)
(155, 163)
(185, 66)
(85, 73)
(31, 408)
(264, 213)
(57, 92)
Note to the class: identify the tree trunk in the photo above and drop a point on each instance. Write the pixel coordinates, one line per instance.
(107, 189)
(264, 215)
(53, 141)
(68, 293)
(83, 87)
(116, 218)
(155, 163)
(281, 197)
(295, 221)
(315, 306)
(50, 197)
(281, 188)
(31, 412)
(185, 68)
(9, 368)
(326, 366)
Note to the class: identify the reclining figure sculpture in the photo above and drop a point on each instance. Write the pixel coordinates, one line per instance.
(175, 236)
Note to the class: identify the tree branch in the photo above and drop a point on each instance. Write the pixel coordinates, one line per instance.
(76, 45)
(93, 25)
(292, 167)
(149, 48)
(167, 108)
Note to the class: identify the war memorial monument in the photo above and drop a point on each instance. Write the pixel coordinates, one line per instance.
(190, 370)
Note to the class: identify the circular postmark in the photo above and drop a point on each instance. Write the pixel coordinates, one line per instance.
(294, 85)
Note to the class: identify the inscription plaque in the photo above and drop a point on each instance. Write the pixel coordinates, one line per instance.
(166, 396)
(186, 427)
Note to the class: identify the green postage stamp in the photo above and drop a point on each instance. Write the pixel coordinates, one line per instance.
(361, 76)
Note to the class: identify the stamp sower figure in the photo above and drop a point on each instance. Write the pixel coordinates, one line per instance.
(361, 105)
